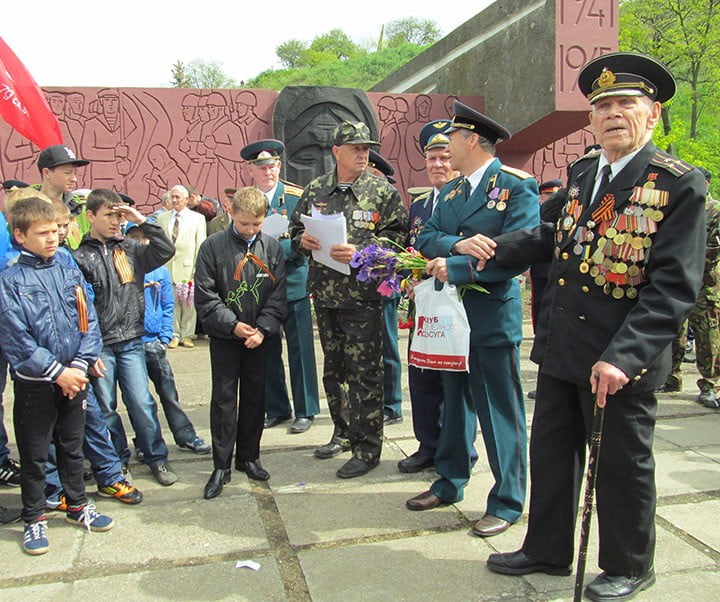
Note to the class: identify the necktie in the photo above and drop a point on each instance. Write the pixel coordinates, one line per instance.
(604, 181)
(176, 227)
(467, 188)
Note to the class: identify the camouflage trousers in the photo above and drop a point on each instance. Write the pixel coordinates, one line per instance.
(705, 321)
(352, 343)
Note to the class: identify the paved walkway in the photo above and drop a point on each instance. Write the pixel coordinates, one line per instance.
(320, 538)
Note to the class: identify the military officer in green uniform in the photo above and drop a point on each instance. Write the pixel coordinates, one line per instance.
(490, 199)
(392, 385)
(627, 259)
(264, 162)
(348, 312)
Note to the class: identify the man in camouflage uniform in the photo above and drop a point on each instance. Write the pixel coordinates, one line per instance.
(704, 318)
(345, 308)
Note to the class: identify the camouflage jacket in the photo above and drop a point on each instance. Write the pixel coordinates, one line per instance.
(710, 290)
(373, 209)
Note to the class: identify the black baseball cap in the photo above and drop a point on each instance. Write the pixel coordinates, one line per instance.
(58, 154)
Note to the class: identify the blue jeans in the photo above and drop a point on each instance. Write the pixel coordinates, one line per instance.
(125, 366)
(97, 448)
(162, 376)
(4, 451)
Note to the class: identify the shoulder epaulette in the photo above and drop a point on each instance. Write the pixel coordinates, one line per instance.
(518, 173)
(292, 189)
(593, 154)
(421, 197)
(670, 163)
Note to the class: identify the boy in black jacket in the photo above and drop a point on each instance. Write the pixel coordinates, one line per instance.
(116, 268)
(240, 299)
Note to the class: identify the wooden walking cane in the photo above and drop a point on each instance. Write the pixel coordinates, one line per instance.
(593, 458)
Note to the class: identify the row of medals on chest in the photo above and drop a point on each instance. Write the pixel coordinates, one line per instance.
(616, 262)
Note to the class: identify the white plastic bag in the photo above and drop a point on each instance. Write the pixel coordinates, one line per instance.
(441, 339)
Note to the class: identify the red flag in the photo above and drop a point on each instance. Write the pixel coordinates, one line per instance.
(23, 104)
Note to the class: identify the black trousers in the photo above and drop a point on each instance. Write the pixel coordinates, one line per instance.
(236, 421)
(625, 488)
(43, 414)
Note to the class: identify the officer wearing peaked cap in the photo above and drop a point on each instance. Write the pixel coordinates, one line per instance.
(264, 161)
(627, 260)
(491, 199)
(380, 164)
(392, 385)
(426, 394)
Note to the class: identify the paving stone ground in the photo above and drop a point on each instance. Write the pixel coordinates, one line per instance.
(320, 538)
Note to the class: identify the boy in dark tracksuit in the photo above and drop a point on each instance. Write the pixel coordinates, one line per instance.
(240, 295)
(115, 268)
(55, 341)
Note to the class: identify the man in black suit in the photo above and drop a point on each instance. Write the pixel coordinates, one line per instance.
(627, 259)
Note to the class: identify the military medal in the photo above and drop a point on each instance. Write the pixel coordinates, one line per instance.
(501, 206)
(491, 204)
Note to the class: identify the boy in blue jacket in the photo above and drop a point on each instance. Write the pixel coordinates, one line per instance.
(159, 309)
(56, 341)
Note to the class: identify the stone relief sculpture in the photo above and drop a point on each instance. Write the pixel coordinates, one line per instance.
(143, 141)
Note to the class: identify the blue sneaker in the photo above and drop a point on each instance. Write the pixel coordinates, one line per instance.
(196, 445)
(34, 539)
(89, 518)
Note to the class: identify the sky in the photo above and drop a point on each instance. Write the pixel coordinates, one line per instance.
(135, 44)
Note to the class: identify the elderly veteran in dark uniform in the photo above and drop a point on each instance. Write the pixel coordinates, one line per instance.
(627, 260)
(392, 385)
(426, 393)
(264, 162)
(347, 310)
(490, 200)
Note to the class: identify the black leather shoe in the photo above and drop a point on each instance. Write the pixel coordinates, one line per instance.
(517, 563)
(355, 467)
(415, 463)
(611, 588)
(272, 421)
(301, 425)
(218, 478)
(254, 470)
(330, 450)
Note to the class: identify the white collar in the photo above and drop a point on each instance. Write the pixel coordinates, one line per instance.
(475, 177)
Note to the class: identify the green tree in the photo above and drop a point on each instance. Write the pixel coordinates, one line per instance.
(201, 74)
(412, 30)
(334, 43)
(179, 76)
(685, 35)
(362, 70)
(291, 53)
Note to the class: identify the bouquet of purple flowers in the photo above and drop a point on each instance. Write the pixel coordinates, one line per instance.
(394, 268)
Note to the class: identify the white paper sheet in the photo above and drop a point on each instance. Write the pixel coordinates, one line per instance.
(247, 564)
(275, 225)
(330, 230)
